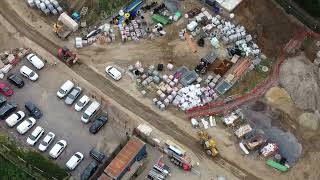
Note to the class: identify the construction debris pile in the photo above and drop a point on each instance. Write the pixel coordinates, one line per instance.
(8, 59)
(46, 6)
(133, 31)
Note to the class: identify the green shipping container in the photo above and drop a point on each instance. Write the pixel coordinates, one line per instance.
(159, 19)
(277, 166)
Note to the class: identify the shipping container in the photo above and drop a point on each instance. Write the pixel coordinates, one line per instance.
(68, 21)
(133, 151)
(277, 166)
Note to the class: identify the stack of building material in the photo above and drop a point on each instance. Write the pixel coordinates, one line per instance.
(188, 97)
(46, 6)
(132, 31)
(269, 150)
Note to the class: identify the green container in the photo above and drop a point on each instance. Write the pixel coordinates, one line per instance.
(277, 166)
(159, 19)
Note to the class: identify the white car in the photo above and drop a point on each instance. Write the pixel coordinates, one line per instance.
(14, 118)
(26, 125)
(35, 135)
(113, 72)
(47, 140)
(83, 101)
(58, 148)
(35, 61)
(74, 160)
(27, 72)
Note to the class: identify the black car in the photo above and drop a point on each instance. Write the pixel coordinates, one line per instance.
(98, 123)
(2, 100)
(33, 109)
(7, 109)
(16, 80)
(97, 155)
(89, 171)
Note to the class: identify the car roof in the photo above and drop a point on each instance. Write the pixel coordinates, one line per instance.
(114, 71)
(36, 131)
(26, 69)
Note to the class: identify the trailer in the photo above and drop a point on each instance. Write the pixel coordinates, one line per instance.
(133, 151)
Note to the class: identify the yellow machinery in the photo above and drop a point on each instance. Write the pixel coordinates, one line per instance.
(208, 143)
(62, 31)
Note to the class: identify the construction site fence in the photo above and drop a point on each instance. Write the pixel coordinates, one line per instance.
(306, 20)
(258, 90)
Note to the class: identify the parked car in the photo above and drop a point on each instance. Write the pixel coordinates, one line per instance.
(47, 140)
(5, 89)
(3, 100)
(33, 109)
(58, 148)
(73, 95)
(26, 125)
(97, 155)
(89, 171)
(65, 89)
(27, 72)
(14, 118)
(7, 109)
(97, 124)
(74, 160)
(35, 61)
(16, 80)
(90, 111)
(35, 135)
(113, 72)
(83, 101)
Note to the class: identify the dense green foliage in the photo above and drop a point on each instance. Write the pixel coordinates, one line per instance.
(311, 6)
(111, 6)
(10, 171)
(32, 160)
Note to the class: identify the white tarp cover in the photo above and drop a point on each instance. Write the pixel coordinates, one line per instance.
(229, 5)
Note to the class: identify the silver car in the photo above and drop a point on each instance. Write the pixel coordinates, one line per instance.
(73, 95)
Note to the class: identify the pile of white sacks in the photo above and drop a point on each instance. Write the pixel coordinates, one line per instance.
(188, 97)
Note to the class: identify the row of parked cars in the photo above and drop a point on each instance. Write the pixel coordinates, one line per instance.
(71, 92)
(37, 133)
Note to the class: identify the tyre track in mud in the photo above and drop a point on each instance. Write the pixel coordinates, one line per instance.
(119, 95)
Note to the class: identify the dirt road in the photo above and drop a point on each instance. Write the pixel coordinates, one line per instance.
(119, 95)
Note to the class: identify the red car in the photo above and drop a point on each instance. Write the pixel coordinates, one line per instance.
(5, 89)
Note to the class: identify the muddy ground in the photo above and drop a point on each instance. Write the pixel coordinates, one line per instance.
(259, 17)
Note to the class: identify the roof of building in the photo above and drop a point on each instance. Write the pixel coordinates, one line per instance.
(127, 153)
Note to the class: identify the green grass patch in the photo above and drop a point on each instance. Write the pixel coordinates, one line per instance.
(311, 6)
(32, 160)
(10, 171)
(111, 6)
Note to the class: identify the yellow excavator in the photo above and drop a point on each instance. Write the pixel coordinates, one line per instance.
(208, 144)
(62, 31)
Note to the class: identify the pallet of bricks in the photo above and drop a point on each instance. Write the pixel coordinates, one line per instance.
(46, 6)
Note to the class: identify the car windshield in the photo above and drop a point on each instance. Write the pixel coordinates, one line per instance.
(71, 96)
(79, 103)
(6, 89)
(32, 74)
(29, 121)
(77, 155)
(44, 143)
(32, 137)
(60, 143)
(85, 116)
(62, 91)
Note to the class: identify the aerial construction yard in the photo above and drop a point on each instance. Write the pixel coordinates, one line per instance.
(158, 89)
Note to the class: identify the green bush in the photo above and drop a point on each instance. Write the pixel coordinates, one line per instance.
(10, 171)
(311, 6)
(34, 159)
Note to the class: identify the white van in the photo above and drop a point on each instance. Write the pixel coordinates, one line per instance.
(35, 61)
(65, 89)
(27, 72)
(90, 111)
